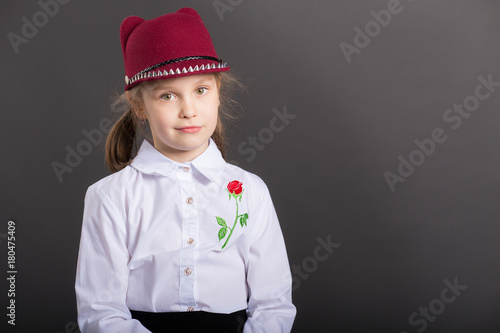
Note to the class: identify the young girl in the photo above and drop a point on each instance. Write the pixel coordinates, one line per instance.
(178, 240)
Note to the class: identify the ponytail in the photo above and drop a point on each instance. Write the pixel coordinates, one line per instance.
(121, 141)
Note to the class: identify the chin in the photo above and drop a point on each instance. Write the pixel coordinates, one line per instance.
(193, 145)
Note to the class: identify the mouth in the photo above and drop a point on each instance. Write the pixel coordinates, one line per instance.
(189, 129)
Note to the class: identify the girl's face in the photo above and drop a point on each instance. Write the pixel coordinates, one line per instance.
(182, 113)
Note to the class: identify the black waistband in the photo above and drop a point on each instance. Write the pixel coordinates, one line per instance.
(196, 321)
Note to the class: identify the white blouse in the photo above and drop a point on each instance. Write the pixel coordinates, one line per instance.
(163, 236)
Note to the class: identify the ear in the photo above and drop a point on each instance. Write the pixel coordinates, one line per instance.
(136, 106)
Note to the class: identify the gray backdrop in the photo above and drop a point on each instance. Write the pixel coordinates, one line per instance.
(374, 124)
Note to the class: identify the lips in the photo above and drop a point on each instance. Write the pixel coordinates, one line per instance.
(189, 129)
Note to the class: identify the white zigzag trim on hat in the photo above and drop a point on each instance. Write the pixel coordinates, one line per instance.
(184, 70)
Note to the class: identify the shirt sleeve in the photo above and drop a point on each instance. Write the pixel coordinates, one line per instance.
(102, 272)
(269, 280)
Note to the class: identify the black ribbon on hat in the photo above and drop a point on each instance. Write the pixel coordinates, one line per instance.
(178, 60)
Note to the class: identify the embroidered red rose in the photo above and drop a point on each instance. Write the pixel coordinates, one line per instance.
(235, 187)
(235, 190)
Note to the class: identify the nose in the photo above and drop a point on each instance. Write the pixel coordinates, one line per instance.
(188, 109)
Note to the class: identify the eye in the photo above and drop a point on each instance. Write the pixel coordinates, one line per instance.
(167, 97)
(201, 91)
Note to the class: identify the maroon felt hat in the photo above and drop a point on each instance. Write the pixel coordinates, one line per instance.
(172, 45)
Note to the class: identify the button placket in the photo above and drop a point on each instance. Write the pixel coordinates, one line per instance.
(189, 227)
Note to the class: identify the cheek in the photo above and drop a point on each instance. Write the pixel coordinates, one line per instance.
(213, 119)
(160, 121)
(214, 109)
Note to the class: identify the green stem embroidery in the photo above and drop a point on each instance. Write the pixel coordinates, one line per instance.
(234, 225)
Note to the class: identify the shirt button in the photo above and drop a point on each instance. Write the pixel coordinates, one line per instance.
(188, 271)
(190, 241)
(189, 200)
(185, 169)
(190, 309)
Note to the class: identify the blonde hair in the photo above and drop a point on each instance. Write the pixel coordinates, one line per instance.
(121, 143)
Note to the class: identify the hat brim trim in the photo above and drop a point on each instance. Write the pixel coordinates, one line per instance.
(147, 72)
(172, 72)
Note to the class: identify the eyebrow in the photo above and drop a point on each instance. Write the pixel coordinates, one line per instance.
(167, 86)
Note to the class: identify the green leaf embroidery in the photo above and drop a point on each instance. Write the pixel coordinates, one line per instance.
(243, 219)
(222, 233)
(221, 222)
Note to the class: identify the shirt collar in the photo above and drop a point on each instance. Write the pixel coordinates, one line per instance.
(210, 162)
(150, 161)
